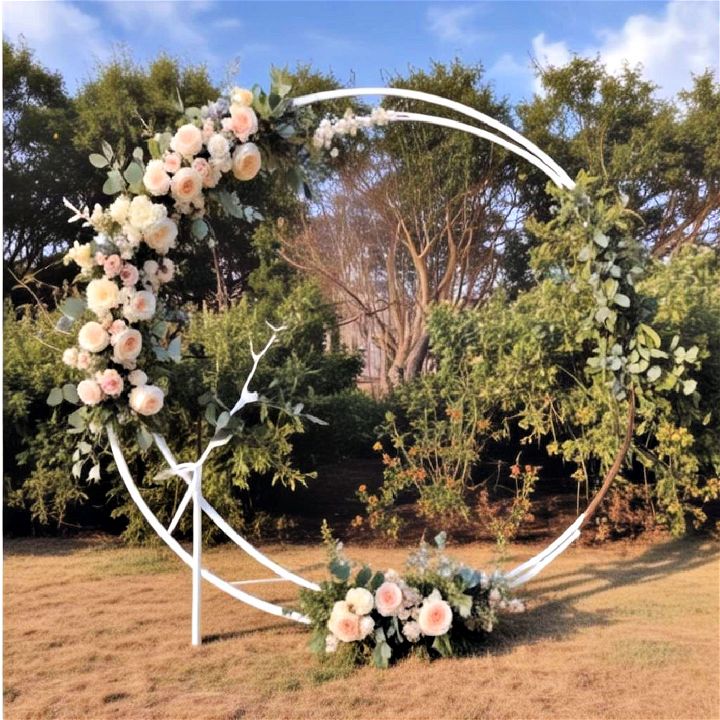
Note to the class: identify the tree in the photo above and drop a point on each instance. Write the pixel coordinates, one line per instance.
(662, 154)
(418, 218)
(40, 163)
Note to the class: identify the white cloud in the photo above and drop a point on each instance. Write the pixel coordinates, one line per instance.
(684, 40)
(62, 36)
(455, 24)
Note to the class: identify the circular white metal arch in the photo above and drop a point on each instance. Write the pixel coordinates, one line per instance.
(191, 473)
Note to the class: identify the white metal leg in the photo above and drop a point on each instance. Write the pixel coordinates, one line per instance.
(197, 556)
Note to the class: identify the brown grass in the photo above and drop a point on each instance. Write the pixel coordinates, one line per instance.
(94, 630)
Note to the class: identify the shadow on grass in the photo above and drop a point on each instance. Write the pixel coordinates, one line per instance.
(558, 618)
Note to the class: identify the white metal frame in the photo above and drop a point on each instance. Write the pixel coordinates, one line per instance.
(191, 472)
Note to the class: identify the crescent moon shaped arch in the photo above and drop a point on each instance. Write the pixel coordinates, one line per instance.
(503, 136)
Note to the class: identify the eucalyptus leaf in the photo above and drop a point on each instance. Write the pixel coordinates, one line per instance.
(69, 392)
(98, 161)
(55, 397)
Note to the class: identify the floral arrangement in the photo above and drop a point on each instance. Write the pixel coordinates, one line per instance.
(439, 607)
(129, 329)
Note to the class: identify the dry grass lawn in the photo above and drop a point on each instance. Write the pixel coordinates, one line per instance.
(95, 630)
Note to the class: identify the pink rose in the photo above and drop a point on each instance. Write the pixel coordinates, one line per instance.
(116, 327)
(161, 236)
(112, 265)
(83, 360)
(102, 296)
(202, 167)
(246, 161)
(435, 616)
(156, 180)
(186, 184)
(129, 275)
(100, 258)
(128, 345)
(110, 382)
(146, 399)
(140, 307)
(93, 337)
(242, 121)
(345, 625)
(388, 599)
(172, 162)
(187, 140)
(89, 392)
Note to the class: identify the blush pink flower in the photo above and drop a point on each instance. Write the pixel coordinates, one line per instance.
(388, 599)
(112, 265)
(242, 122)
(156, 179)
(116, 327)
(93, 337)
(127, 346)
(345, 625)
(89, 392)
(129, 275)
(186, 184)
(435, 616)
(187, 140)
(172, 162)
(83, 360)
(146, 399)
(246, 161)
(110, 382)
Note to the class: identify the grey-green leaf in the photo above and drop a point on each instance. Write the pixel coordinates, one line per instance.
(55, 397)
(98, 161)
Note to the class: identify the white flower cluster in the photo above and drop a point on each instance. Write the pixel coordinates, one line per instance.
(120, 292)
(348, 124)
(351, 620)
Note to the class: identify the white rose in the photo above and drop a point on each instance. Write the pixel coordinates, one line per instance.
(218, 146)
(141, 306)
(246, 161)
(186, 184)
(367, 625)
(359, 600)
(146, 399)
(187, 140)
(137, 377)
(93, 337)
(89, 392)
(155, 179)
(82, 255)
(144, 212)
(344, 624)
(161, 236)
(70, 357)
(119, 209)
(127, 346)
(102, 296)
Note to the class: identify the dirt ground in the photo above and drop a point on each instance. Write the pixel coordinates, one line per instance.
(96, 630)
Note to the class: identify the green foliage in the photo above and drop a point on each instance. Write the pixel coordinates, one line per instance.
(557, 363)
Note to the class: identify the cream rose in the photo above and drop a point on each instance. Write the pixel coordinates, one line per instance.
(93, 337)
(186, 184)
(172, 162)
(127, 345)
(89, 392)
(242, 122)
(146, 399)
(119, 209)
(144, 212)
(435, 616)
(344, 624)
(102, 296)
(218, 146)
(70, 357)
(137, 377)
(161, 236)
(187, 140)
(82, 255)
(141, 306)
(83, 360)
(388, 599)
(359, 600)
(110, 382)
(156, 180)
(246, 161)
(241, 96)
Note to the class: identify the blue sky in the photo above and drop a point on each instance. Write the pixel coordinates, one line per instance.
(359, 41)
